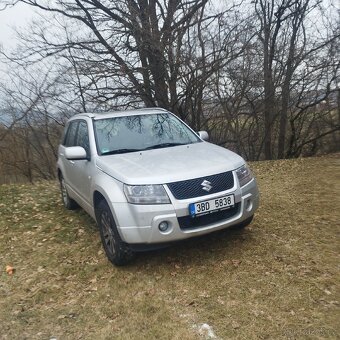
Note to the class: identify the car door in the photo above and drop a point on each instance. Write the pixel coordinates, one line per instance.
(81, 171)
(77, 172)
(68, 165)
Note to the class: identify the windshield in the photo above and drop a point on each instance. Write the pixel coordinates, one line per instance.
(141, 132)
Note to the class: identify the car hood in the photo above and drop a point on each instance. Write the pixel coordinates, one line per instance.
(172, 164)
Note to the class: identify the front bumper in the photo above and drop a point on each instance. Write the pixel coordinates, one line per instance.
(139, 223)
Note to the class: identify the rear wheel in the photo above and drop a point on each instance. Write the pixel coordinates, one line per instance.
(68, 202)
(117, 251)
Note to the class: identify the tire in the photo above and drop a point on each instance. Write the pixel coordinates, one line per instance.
(68, 202)
(244, 224)
(117, 251)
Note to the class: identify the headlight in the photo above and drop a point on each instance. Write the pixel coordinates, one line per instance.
(244, 175)
(146, 194)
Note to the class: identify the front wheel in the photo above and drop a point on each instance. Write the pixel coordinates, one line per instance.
(117, 251)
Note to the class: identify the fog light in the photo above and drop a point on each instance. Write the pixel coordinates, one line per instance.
(163, 226)
(249, 205)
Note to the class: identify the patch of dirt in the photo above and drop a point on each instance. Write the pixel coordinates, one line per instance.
(277, 279)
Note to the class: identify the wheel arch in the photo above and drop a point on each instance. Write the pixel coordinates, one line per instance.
(97, 198)
(59, 174)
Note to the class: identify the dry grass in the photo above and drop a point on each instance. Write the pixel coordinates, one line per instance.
(277, 279)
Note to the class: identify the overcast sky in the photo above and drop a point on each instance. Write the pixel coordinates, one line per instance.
(21, 14)
(18, 16)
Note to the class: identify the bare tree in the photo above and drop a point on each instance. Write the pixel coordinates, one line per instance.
(287, 47)
(260, 76)
(136, 43)
(31, 122)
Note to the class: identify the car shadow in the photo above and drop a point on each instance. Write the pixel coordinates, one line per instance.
(204, 248)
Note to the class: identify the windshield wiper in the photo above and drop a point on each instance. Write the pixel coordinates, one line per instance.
(156, 146)
(114, 152)
(163, 145)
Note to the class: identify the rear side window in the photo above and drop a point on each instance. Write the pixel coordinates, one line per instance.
(71, 134)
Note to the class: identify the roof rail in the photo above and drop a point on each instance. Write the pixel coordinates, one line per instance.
(152, 109)
(83, 114)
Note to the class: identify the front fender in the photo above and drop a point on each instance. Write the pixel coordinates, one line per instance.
(109, 188)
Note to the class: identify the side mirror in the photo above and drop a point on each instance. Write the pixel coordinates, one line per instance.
(203, 135)
(75, 153)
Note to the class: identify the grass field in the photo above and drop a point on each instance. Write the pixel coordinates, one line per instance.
(277, 279)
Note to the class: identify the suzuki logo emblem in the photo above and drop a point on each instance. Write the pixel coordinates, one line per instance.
(206, 185)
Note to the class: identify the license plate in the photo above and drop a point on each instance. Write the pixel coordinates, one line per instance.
(206, 207)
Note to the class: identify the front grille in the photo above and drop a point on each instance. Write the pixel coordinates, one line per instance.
(188, 222)
(193, 187)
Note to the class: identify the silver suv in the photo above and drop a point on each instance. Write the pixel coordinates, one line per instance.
(148, 179)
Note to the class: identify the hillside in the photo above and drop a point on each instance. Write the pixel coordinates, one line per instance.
(275, 279)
